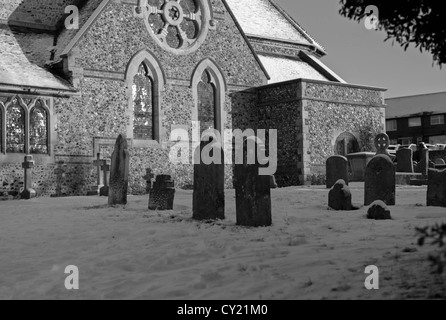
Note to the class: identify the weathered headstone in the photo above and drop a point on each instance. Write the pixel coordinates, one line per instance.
(28, 165)
(209, 186)
(95, 190)
(340, 197)
(423, 165)
(436, 190)
(336, 169)
(60, 174)
(119, 173)
(148, 178)
(404, 159)
(252, 192)
(379, 211)
(382, 143)
(162, 195)
(380, 181)
(105, 167)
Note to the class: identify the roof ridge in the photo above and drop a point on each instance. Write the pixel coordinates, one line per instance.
(297, 25)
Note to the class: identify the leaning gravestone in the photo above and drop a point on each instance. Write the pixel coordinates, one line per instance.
(209, 186)
(252, 193)
(162, 195)
(423, 165)
(380, 181)
(379, 211)
(436, 190)
(340, 197)
(119, 173)
(336, 169)
(404, 159)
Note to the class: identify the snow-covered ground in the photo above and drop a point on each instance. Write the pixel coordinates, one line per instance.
(131, 253)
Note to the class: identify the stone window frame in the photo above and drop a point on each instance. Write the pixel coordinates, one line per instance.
(219, 82)
(47, 103)
(158, 77)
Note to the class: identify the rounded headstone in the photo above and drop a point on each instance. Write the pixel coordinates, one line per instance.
(378, 211)
(340, 197)
(380, 181)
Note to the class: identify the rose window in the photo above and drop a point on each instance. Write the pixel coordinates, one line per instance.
(179, 26)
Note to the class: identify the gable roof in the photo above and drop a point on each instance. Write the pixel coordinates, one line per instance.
(265, 19)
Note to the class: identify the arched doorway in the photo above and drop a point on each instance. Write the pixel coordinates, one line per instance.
(346, 144)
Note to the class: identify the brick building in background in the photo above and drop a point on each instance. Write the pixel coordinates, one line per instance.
(419, 118)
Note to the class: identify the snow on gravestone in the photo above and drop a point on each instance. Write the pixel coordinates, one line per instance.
(404, 158)
(340, 197)
(436, 190)
(336, 169)
(380, 181)
(209, 183)
(378, 211)
(252, 192)
(119, 173)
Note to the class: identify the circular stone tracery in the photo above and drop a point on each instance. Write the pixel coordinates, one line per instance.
(179, 26)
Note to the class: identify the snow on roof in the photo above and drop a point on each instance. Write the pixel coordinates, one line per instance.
(284, 69)
(261, 18)
(23, 56)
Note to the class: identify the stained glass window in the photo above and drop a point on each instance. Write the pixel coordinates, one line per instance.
(15, 128)
(38, 133)
(206, 103)
(143, 105)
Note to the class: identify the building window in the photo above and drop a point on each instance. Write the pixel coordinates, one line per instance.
(437, 120)
(15, 127)
(415, 122)
(206, 103)
(143, 126)
(38, 133)
(24, 126)
(392, 125)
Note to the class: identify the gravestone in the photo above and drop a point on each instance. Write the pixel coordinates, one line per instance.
(379, 211)
(148, 178)
(405, 161)
(436, 190)
(119, 173)
(162, 195)
(209, 186)
(60, 175)
(380, 181)
(340, 197)
(382, 143)
(105, 167)
(336, 169)
(28, 165)
(252, 193)
(423, 165)
(95, 190)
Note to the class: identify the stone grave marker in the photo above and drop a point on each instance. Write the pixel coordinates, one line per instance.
(162, 195)
(405, 161)
(95, 190)
(340, 197)
(209, 186)
(119, 173)
(380, 181)
(105, 167)
(436, 190)
(378, 211)
(336, 169)
(28, 165)
(423, 165)
(148, 178)
(382, 143)
(252, 192)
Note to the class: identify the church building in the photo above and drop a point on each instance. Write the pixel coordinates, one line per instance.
(74, 74)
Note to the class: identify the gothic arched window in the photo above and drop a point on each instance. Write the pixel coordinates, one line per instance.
(15, 128)
(38, 133)
(206, 102)
(143, 115)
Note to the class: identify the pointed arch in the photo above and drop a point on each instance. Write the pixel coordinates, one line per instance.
(39, 124)
(155, 81)
(217, 80)
(17, 120)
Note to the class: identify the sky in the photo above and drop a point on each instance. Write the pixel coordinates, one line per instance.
(361, 56)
